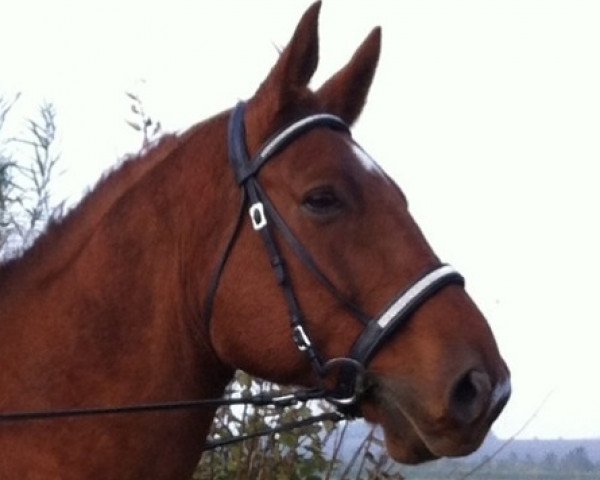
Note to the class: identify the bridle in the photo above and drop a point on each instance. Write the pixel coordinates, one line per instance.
(265, 219)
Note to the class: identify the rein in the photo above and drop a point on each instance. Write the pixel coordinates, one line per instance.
(260, 400)
(265, 218)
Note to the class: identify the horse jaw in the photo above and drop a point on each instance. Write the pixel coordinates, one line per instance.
(402, 441)
(415, 434)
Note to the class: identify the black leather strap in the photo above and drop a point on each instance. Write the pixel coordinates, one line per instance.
(389, 322)
(265, 219)
(306, 258)
(245, 167)
(377, 332)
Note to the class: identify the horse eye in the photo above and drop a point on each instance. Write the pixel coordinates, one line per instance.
(322, 201)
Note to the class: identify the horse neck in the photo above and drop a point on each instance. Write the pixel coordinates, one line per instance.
(119, 322)
(64, 239)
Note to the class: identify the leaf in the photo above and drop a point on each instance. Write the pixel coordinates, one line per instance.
(288, 439)
(244, 379)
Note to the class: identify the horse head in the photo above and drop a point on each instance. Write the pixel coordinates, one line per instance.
(437, 382)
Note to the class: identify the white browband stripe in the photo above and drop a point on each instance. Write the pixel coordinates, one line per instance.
(284, 134)
(412, 293)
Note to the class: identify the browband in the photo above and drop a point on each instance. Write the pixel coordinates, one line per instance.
(243, 166)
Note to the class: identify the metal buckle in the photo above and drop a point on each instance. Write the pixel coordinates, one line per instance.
(257, 215)
(285, 400)
(300, 338)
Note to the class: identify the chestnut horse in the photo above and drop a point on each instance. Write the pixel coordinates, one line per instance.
(131, 298)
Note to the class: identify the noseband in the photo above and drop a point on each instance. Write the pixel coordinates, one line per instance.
(265, 219)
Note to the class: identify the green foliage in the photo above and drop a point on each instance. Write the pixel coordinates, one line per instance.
(304, 454)
(287, 455)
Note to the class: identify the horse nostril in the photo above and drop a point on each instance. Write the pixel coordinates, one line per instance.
(470, 396)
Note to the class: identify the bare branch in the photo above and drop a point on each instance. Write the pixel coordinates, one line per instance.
(5, 107)
(142, 122)
(25, 200)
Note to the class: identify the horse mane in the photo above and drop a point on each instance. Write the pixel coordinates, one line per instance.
(77, 226)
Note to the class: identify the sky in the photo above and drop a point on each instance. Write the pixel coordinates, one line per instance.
(486, 113)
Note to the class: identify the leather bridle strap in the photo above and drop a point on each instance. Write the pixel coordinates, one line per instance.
(400, 310)
(264, 216)
(305, 257)
(381, 328)
(350, 384)
(261, 208)
(246, 167)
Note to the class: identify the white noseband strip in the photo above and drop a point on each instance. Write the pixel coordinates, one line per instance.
(413, 292)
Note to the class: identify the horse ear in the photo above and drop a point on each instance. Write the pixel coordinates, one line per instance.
(345, 93)
(298, 61)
